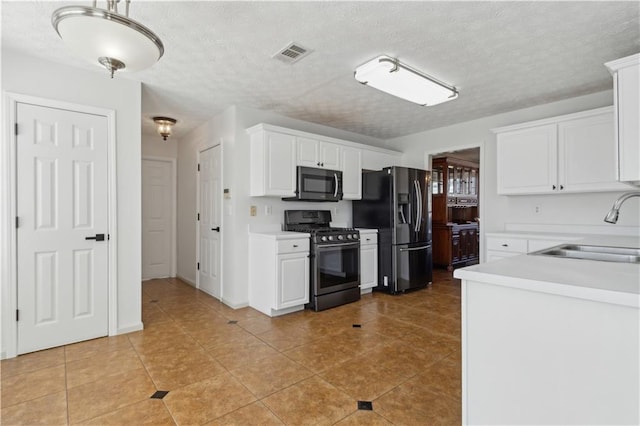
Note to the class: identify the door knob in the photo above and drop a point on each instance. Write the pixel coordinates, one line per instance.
(98, 237)
(217, 229)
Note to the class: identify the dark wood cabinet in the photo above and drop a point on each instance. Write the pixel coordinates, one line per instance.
(455, 186)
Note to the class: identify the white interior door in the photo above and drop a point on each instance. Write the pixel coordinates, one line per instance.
(210, 179)
(62, 203)
(157, 218)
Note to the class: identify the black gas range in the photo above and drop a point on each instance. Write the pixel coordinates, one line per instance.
(334, 255)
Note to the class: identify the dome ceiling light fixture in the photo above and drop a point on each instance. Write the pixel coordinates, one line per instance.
(106, 37)
(164, 126)
(395, 78)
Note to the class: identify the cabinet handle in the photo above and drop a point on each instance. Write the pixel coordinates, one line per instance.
(321, 164)
(553, 187)
(295, 245)
(561, 187)
(318, 163)
(505, 245)
(368, 239)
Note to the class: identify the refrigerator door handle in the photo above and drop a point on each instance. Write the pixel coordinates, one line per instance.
(418, 206)
(415, 248)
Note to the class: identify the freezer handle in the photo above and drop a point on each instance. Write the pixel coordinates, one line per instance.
(415, 248)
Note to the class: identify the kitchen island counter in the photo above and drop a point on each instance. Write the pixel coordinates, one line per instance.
(587, 279)
(549, 340)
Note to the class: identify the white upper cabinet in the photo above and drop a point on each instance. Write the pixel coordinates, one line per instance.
(319, 154)
(351, 173)
(626, 90)
(275, 152)
(527, 160)
(570, 153)
(272, 164)
(587, 154)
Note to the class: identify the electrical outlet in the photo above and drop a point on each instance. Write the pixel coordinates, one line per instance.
(253, 211)
(268, 210)
(537, 209)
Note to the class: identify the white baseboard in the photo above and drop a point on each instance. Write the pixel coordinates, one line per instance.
(130, 329)
(186, 280)
(234, 305)
(3, 355)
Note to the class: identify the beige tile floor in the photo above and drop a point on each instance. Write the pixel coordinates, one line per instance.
(239, 367)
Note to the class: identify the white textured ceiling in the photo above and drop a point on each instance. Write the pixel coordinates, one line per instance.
(500, 55)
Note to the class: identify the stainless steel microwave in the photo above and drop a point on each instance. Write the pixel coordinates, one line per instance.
(317, 185)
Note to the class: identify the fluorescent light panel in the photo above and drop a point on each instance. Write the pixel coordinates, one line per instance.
(397, 79)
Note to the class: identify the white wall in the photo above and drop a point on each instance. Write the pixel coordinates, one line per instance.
(228, 129)
(30, 76)
(496, 210)
(154, 146)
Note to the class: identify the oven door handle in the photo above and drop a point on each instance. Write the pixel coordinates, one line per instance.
(338, 245)
(415, 248)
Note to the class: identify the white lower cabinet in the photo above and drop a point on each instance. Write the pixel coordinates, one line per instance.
(508, 245)
(278, 272)
(368, 260)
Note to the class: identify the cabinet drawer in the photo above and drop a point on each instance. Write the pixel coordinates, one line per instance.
(293, 246)
(368, 239)
(514, 245)
(497, 255)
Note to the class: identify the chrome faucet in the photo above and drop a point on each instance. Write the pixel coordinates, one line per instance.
(612, 216)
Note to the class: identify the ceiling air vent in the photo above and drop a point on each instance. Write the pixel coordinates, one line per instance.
(292, 53)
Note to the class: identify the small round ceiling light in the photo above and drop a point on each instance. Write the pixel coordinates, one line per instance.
(107, 38)
(165, 125)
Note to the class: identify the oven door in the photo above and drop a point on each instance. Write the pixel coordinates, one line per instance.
(336, 267)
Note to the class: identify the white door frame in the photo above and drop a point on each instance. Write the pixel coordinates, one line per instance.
(174, 207)
(8, 235)
(428, 155)
(222, 226)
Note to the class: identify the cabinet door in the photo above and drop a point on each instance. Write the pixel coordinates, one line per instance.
(330, 156)
(527, 160)
(293, 280)
(472, 244)
(588, 155)
(351, 174)
(280, 170)
(628, 110)
(368, 266)
(456, 252)
(308, 152)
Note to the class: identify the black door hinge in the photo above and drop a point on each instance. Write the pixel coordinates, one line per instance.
(17, 315)
(15, 127)
(198, 166)
(198, 216)
(198, 266)
(17, 222)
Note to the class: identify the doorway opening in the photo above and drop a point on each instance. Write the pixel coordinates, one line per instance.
(456, 208)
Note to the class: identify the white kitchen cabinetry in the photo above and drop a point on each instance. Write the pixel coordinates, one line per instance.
(351, 173)
(500, 246)
(278, 272)
(319, 154)
(368, 260)
(571, 153)
(626, 92)
(272, 164)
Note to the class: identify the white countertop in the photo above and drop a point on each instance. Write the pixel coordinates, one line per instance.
(282, 235)
(610, 282)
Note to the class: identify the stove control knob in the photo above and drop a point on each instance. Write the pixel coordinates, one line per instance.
(330, 237)
(355, 236)
(324, 238)
(341, 237)
(349, 237)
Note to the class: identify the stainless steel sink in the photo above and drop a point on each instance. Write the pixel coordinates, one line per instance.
(600, 253)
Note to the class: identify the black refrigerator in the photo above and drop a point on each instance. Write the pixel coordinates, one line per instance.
(397, 202)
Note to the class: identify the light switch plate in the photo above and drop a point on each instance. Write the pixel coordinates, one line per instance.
(253, 211)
